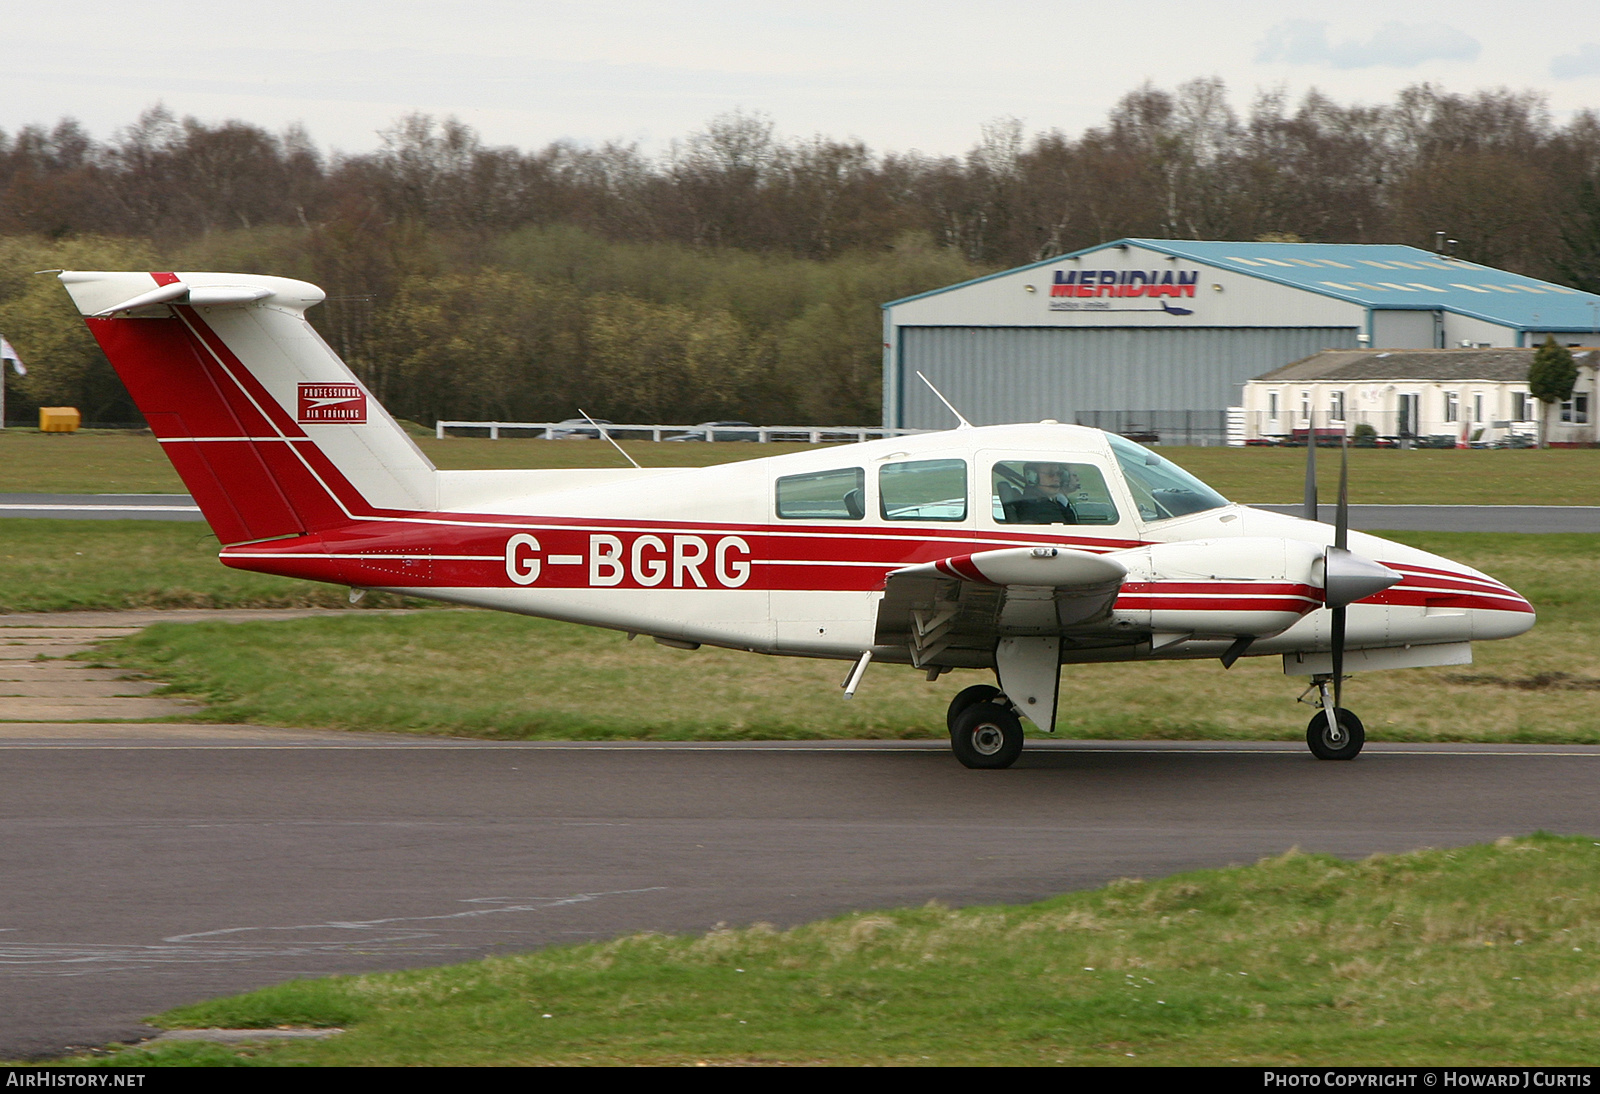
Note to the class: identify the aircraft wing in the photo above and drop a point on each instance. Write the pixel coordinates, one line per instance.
(955, 611)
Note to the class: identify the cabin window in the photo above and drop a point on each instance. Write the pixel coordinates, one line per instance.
(1048, 492)
(1161, 489)
(823, 495)
(924, 490)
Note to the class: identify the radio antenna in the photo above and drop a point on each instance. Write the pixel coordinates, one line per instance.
(607, 436)
(947, 404)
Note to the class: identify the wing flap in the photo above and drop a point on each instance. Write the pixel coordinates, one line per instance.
(956, 610)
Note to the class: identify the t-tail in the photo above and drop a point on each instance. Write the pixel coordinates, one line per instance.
(269, 430)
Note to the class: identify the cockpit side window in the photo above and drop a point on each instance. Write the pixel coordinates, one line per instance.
(1160, 488)
(1050, 492)
(923, 490)
(823, 495)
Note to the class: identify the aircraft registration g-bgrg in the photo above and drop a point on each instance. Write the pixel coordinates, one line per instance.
(1015, 548)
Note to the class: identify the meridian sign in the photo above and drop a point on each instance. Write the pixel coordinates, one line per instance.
(1082, 286)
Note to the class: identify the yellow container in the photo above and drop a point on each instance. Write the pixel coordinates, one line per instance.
(59, 419)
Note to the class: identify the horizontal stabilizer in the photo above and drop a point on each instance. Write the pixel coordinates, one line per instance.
(273, 435)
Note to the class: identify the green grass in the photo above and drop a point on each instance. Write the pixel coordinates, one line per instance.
(117, 462)
(80, 565)
(90, 462)
(1483, 955)
(496, 675)
(1556, 476)
(112, 462)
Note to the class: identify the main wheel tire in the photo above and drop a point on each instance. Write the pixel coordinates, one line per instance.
(987, 735)
(1323, 747)
(965, 698)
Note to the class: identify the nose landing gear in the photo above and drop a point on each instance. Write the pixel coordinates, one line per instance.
(1334, 733)
(1340, 740)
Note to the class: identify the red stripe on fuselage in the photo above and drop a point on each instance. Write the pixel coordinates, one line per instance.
(1428, 587)
(831, 560)
(1214, 604)
(1211, 588)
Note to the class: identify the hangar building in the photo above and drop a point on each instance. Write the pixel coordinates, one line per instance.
(1158, 336)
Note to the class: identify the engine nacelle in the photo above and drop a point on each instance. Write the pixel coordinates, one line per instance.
(1223, 588)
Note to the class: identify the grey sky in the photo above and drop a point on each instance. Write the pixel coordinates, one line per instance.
(898, 75)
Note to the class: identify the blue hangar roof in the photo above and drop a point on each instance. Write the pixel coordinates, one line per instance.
(1381, 275)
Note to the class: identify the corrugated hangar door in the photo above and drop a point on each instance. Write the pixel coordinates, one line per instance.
(1022, 374)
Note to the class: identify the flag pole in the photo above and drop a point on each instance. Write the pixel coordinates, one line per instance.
(7, 353)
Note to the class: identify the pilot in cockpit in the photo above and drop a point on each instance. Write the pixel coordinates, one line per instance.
(1046, 491)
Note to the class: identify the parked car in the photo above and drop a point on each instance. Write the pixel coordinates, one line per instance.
(574, 429)
(720, 431)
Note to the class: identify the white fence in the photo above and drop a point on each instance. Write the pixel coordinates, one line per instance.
(811, 434)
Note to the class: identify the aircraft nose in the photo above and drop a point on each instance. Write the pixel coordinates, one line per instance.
(1447, 588)
(1507, 614)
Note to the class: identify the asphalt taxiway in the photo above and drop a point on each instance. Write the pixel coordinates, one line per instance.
(154, 864)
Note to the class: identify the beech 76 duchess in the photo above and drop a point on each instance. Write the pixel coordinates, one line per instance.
(1014, 548)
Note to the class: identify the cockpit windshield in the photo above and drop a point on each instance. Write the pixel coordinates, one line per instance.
(1161, 489)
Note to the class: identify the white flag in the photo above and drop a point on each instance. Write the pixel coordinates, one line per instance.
(9, 354)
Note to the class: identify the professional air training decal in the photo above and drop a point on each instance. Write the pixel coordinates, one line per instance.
(345, 403)
(1088, 289)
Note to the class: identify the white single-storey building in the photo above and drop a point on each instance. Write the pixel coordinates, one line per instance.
(1446, 395)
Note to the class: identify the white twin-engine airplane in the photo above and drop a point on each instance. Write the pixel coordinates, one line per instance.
(1015, 548)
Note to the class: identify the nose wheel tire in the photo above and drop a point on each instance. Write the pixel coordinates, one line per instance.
(1343, 745)
(967, 697)
(986, 735)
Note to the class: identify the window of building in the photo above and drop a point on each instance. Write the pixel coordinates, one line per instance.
(1272, 405)
(1047, 492)
(1336, 406)
(1477, 408)
(1576, 409)
(1521, 407)
(1305, 405)
(823, 495)
(1452, 407)
(924, 490)
(1406, 420)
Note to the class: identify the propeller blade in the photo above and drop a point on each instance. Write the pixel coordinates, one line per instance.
(1341, 520)
(1338, 653)
(1310, 511)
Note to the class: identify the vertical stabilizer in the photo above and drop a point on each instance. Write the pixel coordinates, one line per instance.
(270, 431)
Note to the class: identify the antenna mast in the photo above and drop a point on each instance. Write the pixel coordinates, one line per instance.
(607, 436)
(947, 404)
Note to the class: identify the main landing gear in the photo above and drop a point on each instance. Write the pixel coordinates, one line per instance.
(984, 731)
(1336, 738)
